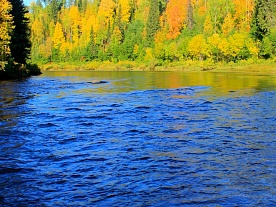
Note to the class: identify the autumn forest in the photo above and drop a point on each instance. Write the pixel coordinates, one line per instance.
(163, 31)
(139, 30)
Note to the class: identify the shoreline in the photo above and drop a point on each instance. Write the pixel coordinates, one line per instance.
(262, 68)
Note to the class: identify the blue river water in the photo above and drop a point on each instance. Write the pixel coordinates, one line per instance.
(141, 139)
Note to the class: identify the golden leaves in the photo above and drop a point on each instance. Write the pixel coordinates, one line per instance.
(228, 24)
(58, 37)
(176, 13)
(124, 5)
(6, 27)
(198, 47)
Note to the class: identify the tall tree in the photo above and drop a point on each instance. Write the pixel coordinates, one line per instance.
(218, 9)
(176, 13)
(54, 7)
(124, 6)
(228, 24)
(243, 13)
(20, 44)
(152, 23)
(264, 18)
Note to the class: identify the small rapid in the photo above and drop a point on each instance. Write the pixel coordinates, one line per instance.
(67, 142)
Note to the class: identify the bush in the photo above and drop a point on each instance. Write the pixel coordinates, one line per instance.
(13, 70)
(33, 69)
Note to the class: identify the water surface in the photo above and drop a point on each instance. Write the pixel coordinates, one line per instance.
(142, 139)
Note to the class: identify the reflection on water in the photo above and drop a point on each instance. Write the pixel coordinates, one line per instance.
(142, 139)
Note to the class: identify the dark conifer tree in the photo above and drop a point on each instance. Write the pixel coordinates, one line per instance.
(54, 6)
(20, 44)
(152, 24)
(264, 18)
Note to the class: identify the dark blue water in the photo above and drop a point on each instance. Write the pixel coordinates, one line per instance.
(142, 139)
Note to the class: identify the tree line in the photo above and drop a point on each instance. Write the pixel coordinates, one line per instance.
(163, 30)
(140, 30)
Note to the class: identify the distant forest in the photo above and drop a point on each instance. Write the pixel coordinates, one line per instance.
(147, 30)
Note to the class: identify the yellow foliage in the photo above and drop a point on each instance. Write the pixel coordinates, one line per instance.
(6, 27)
(253, 49)
(116, 37)
(236, 43)
(224, 46)
(214, 40)
(74, 15)
(159, 39)
(58, 37)
(64, 48)
(37, 30)
(85, 33)
(93, 22)
(208, 27)
(106, 11)
(75, 20)
(198, 47)
(228, 24)
(125, 9)
(243, 13)
(52, 27)
(160, 36)
(46, 49)
(149, 54)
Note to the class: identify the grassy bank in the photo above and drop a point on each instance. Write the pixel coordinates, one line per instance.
(257, 67)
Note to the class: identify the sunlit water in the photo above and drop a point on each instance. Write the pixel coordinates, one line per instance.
(142, 139)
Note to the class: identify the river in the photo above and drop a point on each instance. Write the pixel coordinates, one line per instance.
(140, 139)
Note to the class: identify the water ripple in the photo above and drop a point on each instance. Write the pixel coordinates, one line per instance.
(66, 143)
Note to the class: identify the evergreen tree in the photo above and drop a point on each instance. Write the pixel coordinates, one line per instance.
(264, 18)
(54, 7)
(152, 24)
(92, 49)
(20, 44)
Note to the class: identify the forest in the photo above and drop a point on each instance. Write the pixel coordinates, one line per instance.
(159, 31)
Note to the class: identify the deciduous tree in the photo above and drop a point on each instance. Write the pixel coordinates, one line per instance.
(176, 13)
(6, 28)
(228, 24)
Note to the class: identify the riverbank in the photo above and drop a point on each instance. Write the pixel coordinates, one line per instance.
(12, 70)
(257, 67)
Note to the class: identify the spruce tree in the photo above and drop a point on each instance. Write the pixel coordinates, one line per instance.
(264, 18)
(152, 24)
(20, 44)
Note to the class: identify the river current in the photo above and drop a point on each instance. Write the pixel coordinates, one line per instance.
(141, 139)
